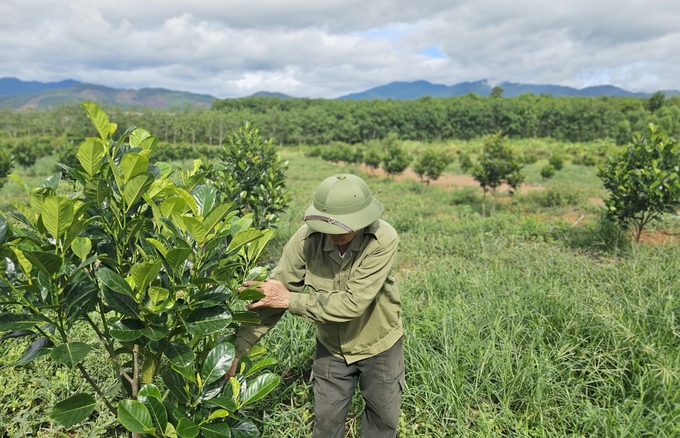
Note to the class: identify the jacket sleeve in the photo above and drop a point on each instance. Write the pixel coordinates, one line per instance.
(362, 288)
(290, 271)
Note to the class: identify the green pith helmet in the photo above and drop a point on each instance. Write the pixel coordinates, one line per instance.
(342, 204)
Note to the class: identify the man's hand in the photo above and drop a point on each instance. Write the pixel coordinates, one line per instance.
(276, 294)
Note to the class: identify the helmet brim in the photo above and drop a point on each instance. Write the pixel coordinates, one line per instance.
(354, 221)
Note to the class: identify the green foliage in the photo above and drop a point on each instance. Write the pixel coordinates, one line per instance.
(556, 161)
(150, 260)
(496, 165)
(547, 171)
(339, 151)
(396, 158)
(643, 181)
(6, 164)
(373, 157)
(430, 164)
(252, 175)
(465, 162)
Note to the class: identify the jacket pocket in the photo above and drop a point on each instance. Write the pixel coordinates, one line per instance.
(318, 284)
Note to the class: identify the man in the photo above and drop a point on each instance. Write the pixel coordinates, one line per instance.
(336, 271)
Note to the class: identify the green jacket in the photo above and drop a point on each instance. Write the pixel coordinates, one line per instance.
(354, 301)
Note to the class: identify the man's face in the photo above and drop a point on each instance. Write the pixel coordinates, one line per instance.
(342, 239)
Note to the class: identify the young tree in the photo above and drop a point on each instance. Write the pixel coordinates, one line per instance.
(6, 164)
(497, 165)
(430, 165)
(372, 157)
(642, 181)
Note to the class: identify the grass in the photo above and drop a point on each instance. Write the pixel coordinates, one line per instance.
(517, 324)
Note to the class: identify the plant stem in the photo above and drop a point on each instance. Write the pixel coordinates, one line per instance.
(94, 385)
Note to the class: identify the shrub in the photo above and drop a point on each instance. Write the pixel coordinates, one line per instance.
(547, 171)
(465, 162)
(430, 165)
(556, 161)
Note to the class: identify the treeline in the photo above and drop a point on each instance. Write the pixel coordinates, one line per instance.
(322, 121)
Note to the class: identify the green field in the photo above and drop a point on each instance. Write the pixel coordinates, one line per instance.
(529, 322)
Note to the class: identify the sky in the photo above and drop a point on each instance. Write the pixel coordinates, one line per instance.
(329, 48)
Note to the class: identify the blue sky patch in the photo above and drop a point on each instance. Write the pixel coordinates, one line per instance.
(432, 52)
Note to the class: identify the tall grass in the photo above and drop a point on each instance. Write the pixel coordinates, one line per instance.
(516, 325)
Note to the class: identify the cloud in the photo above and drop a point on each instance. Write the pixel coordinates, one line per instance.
(330, 48)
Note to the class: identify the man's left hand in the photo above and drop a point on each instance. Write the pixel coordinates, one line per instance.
(276, 294)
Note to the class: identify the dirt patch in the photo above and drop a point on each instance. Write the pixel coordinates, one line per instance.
(659, 237)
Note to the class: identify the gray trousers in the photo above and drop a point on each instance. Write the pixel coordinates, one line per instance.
(381, 382)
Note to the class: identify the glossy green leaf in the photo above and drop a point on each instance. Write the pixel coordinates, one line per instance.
(144, 273)
(260, 365)
(71, 353)
(158, 413)
(90, 155)
(244, 429)
(20, 321)
(259, 387)
(217, 363)
(176, 384)
(224, 402)
(38, 348)
(191, 202)
(134, 416)
(202, 322)
(138, 136)
(81, 246)
(157, 295)
(121, 303)
(99, 119)
(217, 214)
(47, 262)
(177, 257)
(247, 317)
(186, 428)
(250, 294)
(242, 238)
(205, 197)
(161, 188)
(57, 215)
(115, 282)
(73, 410)
(180, 355)
(4, 227)
(135, 188)
(196, 229)
(155, 333)
(126, 330)
(133, 164)
(149, 390)
(173, 204)
(216, 430)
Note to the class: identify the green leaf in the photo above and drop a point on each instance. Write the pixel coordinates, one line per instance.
(244, 429)
(57, 215)
(186, 428)
(126, 330)
(20, 321)
(205, 199)
(144, 273)
(138, 136)
(38, 348)
(217, 363)
(241, 238)
(135, 188)
(250, 294)
(173, 204)
(176, 384)
(47, 262)
(260, 365)
(216, 215)
(161, 188)
(259, 387)
(155, 333)
(4, 227)
(202, 322)
(134, 416)
(70, 354)
(149, 390)
(180, 355)
(121, 303)
(191, 202)
(196, 229)
(133, 164)
(158, 413)
(224, 402)
(73, 410)
(81, 246)
(247, 317)
(114, 282)
(90, 155)
(177, 257)
(216, 430)
(99, 119)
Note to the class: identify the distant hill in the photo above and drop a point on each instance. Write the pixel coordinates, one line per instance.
(52, 94)
(270, 94)
(414, 90)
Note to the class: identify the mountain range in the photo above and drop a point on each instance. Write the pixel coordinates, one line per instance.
(18, 94)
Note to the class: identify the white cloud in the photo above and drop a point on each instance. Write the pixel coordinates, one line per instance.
(330, 48)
